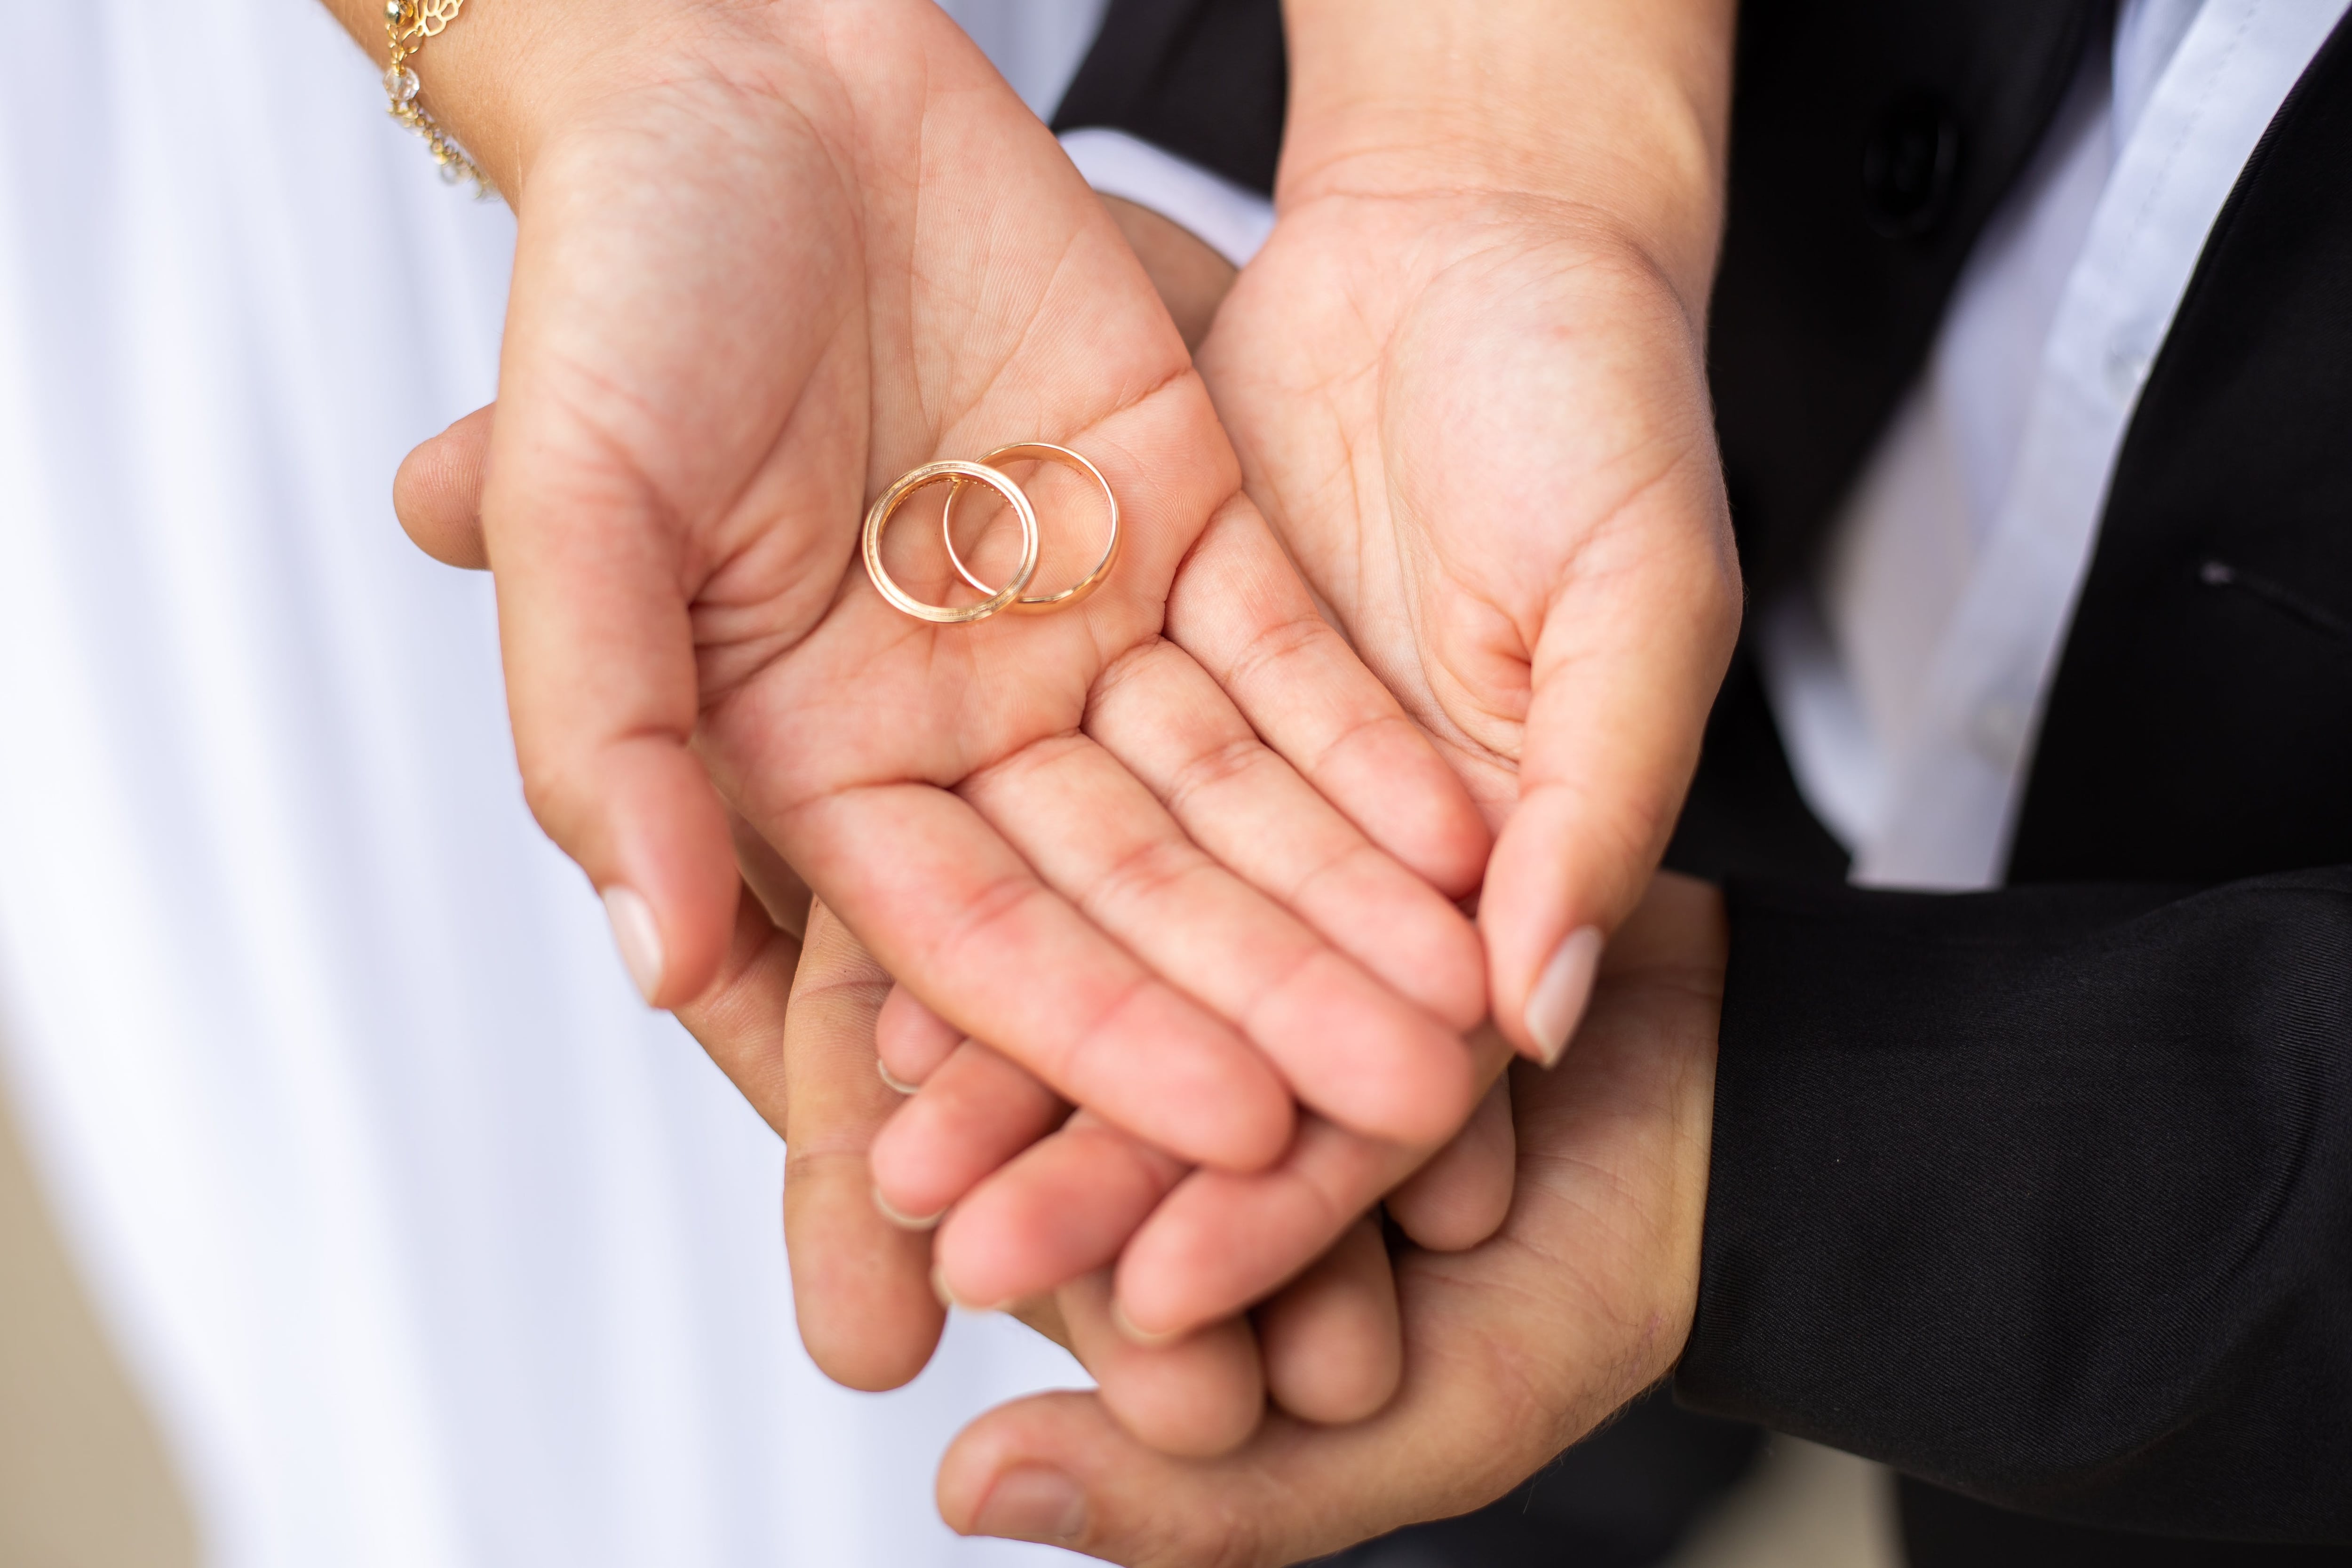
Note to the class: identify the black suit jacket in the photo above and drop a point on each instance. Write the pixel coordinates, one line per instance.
(2044, 1194)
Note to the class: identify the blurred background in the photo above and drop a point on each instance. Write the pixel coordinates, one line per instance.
(352, 1209)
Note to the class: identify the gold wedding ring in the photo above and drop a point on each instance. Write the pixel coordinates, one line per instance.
(1044, 452)
(956, 476)
(959, 474)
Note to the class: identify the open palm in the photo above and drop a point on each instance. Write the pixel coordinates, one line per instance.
(1479, 420)
(768, 258)
(1480, 424)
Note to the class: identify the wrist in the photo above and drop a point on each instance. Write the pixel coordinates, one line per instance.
(506, 74)
(1615, 113)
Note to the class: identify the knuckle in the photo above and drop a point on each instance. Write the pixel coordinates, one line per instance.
(1272, 647)
(1222, 1541)
(1369, 729)
(1145, 874)
(1219, 764)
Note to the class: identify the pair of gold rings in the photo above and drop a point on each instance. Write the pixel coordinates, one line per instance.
(1013, 595)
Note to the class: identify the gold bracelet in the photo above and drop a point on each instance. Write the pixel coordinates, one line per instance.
(406, 25)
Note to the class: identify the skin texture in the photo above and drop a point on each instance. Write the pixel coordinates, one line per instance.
(974, 1121)
(1555, 613)
(1512, 1351)
(1191, 278)
(865, 1310)
(1466, 380)
(980, 1110)
(802, 1038)
(865, 1275)
(769, 257)
(1466, 375)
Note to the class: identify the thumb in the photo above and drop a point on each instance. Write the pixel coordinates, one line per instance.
(437, 493)
(615, 788)
(603, 692)
(1626, 667)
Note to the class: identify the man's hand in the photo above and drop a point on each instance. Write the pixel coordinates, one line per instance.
(1513, 1351)
(1325, 1348)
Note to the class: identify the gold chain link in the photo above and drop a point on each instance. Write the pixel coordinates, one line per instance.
(406, 25)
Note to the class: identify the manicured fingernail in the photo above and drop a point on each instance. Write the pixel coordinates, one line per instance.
(907, 1221)
(1030, 1502)
(1557, 1005)
(892, 1079)
(1144, 1337)
(638, 935)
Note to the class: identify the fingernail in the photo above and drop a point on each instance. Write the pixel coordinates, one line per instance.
(907, 1221)
(1557, 1005)
(638, 935)
(1144, 1337)
(948, 1298)
(1030, 1502)
(892, 1079)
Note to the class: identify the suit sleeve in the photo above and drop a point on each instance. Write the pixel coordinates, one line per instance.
(2044, 1196)
(1207, 80)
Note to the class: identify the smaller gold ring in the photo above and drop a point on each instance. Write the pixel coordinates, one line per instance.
(887, 505)
(1044, 452)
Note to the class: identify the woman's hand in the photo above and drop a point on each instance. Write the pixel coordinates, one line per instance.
(1066, 1209)
(861, 1283)
(1466, 377)
(1025, 1201)
(1652, 767)
(798, 1035)
(769, 257)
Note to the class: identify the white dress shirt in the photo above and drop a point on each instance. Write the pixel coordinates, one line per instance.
(1231, 220)
(1910, 679)
(1909, 675)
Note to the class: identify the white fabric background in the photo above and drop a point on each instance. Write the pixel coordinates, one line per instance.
(429, 1245)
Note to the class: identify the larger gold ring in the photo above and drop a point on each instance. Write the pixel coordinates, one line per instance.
(1044, 452)
(887, 506)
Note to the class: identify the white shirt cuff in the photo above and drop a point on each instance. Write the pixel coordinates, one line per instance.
(1231, 220)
